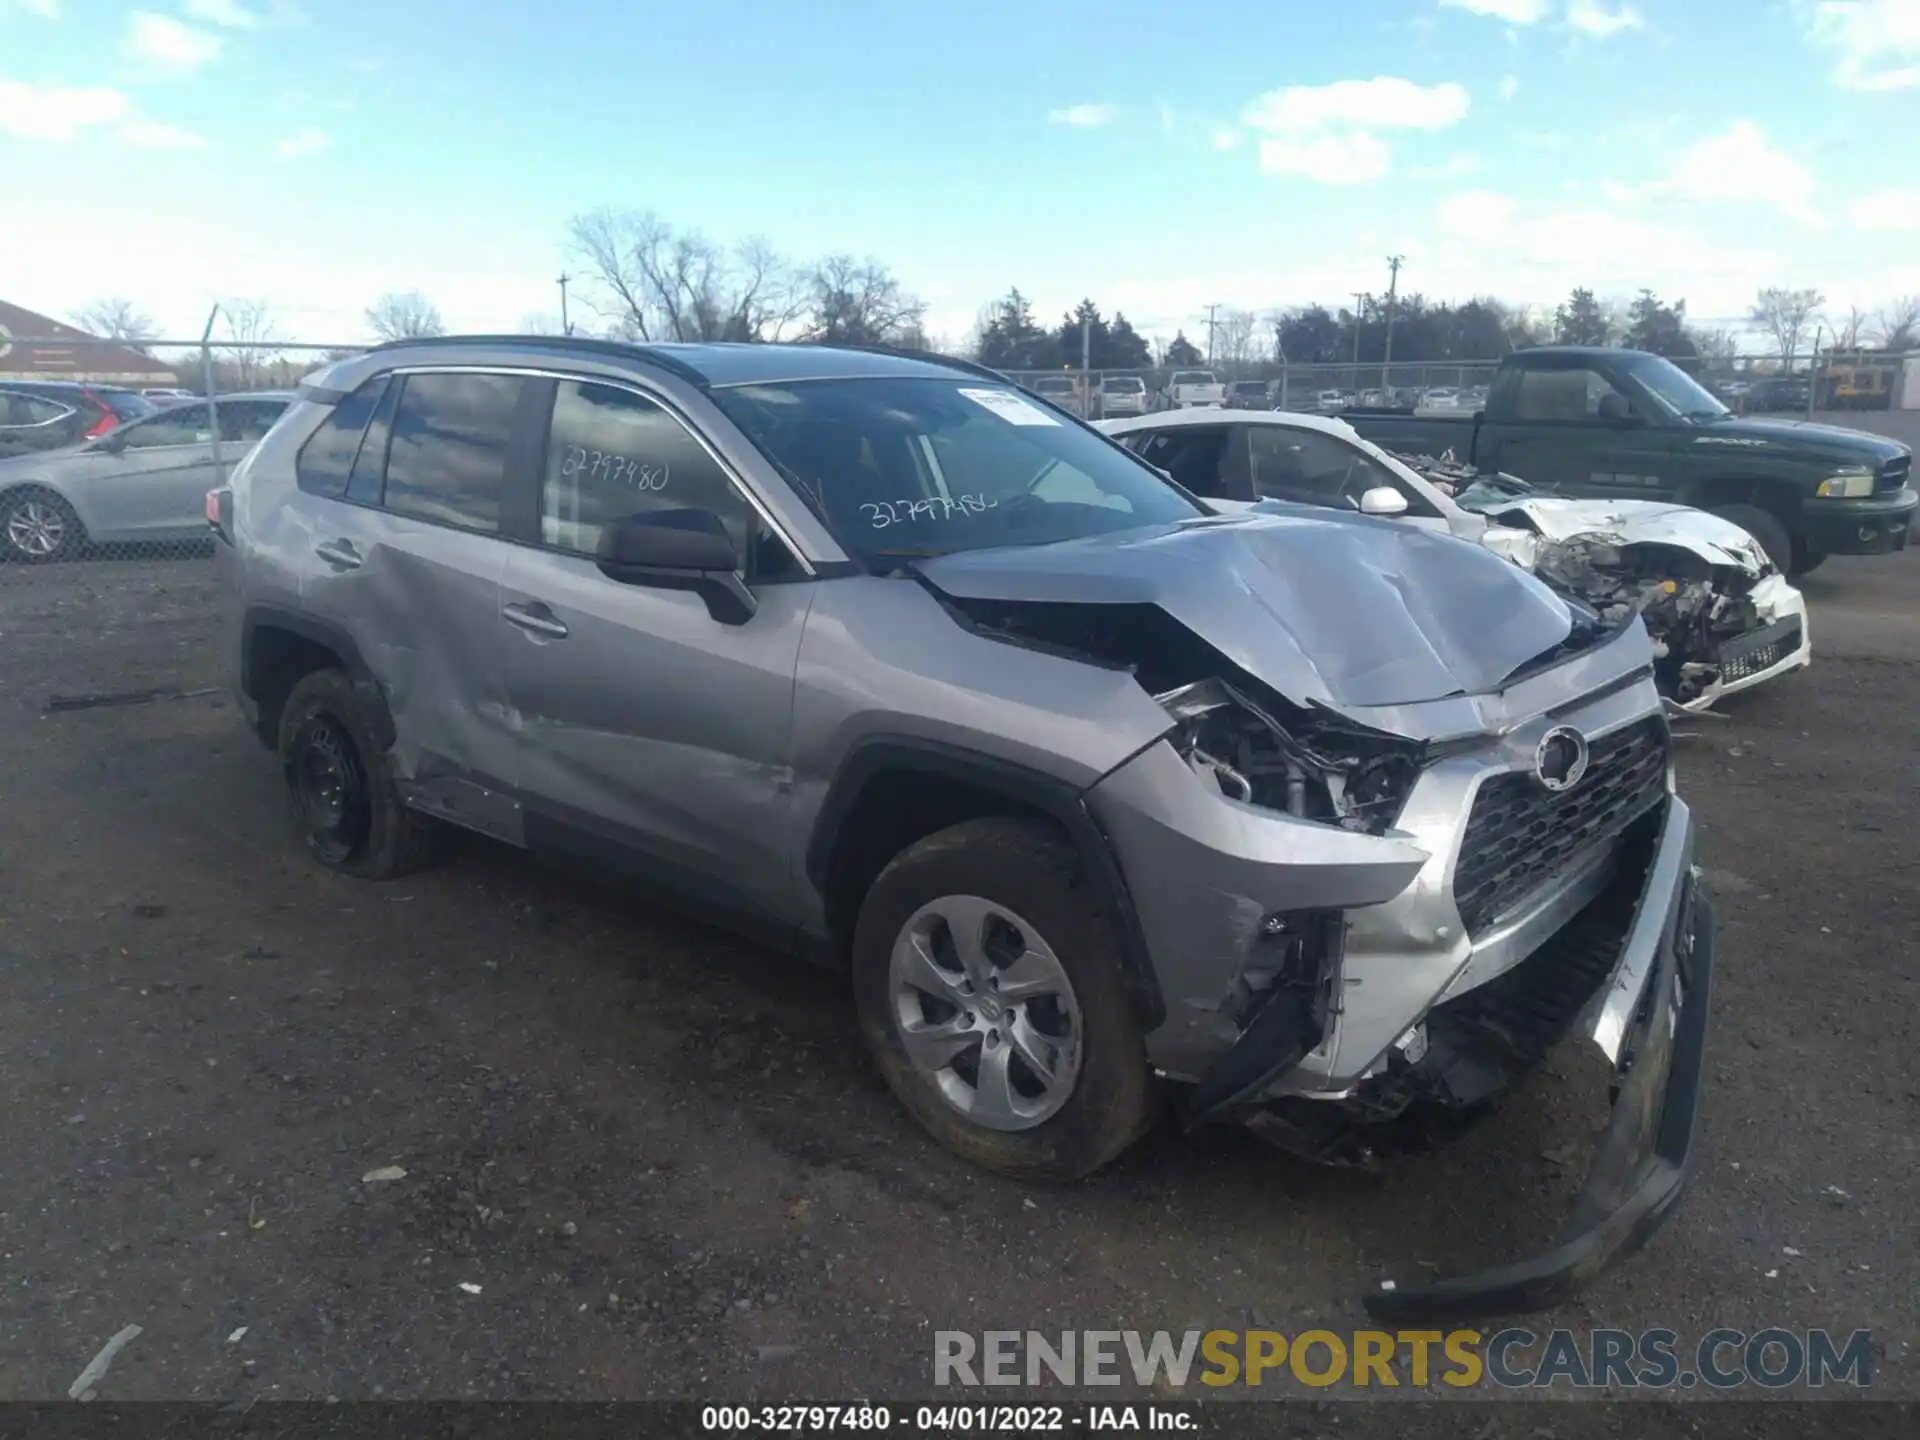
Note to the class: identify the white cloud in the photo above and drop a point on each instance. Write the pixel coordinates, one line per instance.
(1867, 39)
(62, 114)
(1741, 165)
(1327, 133)
(158, 135)
(57, 112)
(1351, 159)
(303, 143)
(229, 13)
(1595, 18)
(1086, 117)
(1385, 102)
(167, 44)
(1886, 210)
(1509, 86)
(1514, 12)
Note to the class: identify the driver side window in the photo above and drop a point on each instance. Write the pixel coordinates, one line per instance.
(182, 425)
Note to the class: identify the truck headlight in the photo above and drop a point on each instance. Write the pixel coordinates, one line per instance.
(1846, 485)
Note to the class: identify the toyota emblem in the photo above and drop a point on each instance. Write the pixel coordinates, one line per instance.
(1561, 761)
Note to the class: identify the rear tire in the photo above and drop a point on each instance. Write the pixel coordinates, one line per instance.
(341, 789)
(1034, 974)
(37, 527)
(1764, 526)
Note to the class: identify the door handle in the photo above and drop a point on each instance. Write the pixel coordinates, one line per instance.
(338, 553)
(535, 618)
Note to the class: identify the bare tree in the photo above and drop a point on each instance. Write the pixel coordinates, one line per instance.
(1784, 314)
(1897, 326)
(251, 333)
(1850, 333)
(404, 315)
(117, 318)
(541, 322)
(1233, 336)
(859, 302)
(1715, 344)
(658, 283)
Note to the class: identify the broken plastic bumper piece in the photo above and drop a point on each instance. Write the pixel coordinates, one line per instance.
(1651, 1021)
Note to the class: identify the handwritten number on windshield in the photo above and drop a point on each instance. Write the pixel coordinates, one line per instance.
(883, 513)
(578, 462)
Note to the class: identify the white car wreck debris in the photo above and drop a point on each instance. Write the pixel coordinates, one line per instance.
(1721, 615)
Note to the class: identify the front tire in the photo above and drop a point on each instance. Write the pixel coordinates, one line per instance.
(37, 527)
(340, 786)
(1764, 526)
(987, 989)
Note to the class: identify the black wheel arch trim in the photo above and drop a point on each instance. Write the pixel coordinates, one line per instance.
(334, 638)
(1060, 800)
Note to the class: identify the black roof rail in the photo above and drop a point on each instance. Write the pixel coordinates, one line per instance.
(620, 349)
(902, 352)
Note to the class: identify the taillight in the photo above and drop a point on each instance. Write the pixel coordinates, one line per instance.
(220, 512)
(108, 419)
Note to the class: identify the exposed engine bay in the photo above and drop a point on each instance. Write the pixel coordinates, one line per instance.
(1237, 733)
(1708, 595)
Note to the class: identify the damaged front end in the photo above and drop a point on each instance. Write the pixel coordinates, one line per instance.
(1388, 851)
(1721, 616)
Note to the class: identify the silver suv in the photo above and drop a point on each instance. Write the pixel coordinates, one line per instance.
(1301, 819)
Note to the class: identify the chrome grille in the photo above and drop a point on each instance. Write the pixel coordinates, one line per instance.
(1521, 837)
(1761, 650)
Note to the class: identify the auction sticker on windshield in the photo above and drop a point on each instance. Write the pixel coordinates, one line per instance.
(1009, 407)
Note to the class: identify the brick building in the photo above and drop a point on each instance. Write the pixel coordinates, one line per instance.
(35, 347)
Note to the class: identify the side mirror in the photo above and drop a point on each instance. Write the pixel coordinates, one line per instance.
(1383, 500)
(114, 442)
(679, 550)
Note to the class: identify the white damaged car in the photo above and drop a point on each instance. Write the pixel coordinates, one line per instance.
(1721, 616)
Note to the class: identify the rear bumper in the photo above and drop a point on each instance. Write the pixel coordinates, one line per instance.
(1874, 525)
(1650, 1020)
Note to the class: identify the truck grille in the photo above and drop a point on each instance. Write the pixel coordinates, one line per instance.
(1760, 650)
(1895, 473)
(1521, 837)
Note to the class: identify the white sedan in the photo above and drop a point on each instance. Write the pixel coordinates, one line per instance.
(1721, 616)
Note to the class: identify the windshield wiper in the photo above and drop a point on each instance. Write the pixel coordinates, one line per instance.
(913, 552)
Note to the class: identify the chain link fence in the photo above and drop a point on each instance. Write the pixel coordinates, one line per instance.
(108, 450)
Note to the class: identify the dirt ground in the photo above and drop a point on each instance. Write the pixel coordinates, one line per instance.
(643, 1159)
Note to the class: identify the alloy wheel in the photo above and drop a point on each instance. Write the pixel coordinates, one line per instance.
(985, 1010)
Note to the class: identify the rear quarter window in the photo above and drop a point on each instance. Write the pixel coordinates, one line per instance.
(326, 460)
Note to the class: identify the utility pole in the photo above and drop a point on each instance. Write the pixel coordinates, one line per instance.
(1393, 287)
(566, 325)
(1359, 300)
(1210, 310)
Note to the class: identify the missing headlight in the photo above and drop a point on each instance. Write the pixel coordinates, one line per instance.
(1313, 767)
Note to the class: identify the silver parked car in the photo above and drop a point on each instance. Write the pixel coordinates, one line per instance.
(1310, 820)
(143, 481)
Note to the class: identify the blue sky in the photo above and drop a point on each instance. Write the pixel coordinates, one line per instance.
(1155, 155)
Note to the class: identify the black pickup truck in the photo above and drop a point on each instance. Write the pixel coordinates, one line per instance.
(1601, 423)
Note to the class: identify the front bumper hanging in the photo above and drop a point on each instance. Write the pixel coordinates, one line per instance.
(1656, 1033)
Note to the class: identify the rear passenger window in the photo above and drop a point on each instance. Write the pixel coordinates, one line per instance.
(611, 454)
(327, 457)
(447, 456)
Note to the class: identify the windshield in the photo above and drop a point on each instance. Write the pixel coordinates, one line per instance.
(1127, 386)
(1055, 386)
(1676, 389)
(1193, 377)
(127, 405)
(1491, 492)
(901, 467)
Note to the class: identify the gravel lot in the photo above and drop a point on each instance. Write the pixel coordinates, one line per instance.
(660, 1155)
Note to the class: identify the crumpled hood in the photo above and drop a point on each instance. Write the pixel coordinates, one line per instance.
(1635, 522)
(1806, 439)
(1342, 610)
